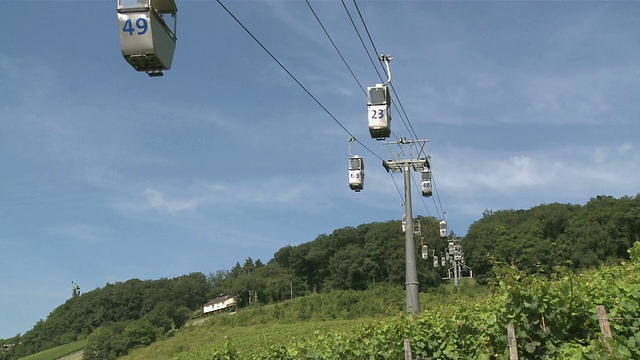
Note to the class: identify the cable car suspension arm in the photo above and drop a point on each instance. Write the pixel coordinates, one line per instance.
(351, 140)
(386, 58)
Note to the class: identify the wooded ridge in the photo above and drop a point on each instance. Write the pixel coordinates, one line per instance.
(123, 316)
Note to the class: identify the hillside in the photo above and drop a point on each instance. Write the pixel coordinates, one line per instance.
(136, 313)
(143, 309)
(553, 318)
(545, 236)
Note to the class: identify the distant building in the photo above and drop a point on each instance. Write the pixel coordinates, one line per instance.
(226, 303)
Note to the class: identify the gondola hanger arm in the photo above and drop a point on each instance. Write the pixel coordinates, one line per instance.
(386, 59)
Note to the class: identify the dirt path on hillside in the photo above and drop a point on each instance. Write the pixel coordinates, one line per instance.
(73, 356)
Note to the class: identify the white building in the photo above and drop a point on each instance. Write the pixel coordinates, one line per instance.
(219, 304)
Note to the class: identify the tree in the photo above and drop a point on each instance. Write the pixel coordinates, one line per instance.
(351, 269)
(106, 343)
(538, 239)
(139, 333)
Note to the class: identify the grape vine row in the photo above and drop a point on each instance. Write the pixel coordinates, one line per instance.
(554, 318)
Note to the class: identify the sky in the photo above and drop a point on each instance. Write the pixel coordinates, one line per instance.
(109, 175)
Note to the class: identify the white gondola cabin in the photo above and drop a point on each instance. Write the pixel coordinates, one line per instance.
(425, 252)
(427, 188)
(443, 228)
(378, 105)
(148, 34)
(435, 261)
(356, 173)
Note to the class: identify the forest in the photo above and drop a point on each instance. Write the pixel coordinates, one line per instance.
(543, 237)
(123, 316)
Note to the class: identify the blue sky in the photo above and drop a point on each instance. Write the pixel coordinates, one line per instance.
(108, 174)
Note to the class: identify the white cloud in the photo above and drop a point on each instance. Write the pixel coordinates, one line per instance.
(586, 97)
(189, 198)
(80, 232)
(156, 200)
(562, 173)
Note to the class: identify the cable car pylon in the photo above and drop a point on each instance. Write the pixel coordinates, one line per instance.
(405, 165)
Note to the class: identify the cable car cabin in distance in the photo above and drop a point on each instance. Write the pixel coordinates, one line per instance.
(378, 105)
(147, 35)
(426, 183)
(443, 229)
(356, 173)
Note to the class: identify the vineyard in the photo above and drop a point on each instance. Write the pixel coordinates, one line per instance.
(554, 318)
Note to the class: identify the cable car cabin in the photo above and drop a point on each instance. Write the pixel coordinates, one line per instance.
(356, 173)
(443, 228)
(425, 252)
(378, 105)
(426, 183)
(148, 34)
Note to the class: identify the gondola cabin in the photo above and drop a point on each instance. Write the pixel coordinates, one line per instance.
(378, 105)
(416, 227)
(427, 189)
(356, 173)
(435, 261)
(443, 228)
(148, 34)
(425, 252)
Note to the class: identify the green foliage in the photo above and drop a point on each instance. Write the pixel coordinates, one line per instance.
(541, 238)
(347, 259)
(554, 318)
(59, 351)
(124, 316)
(164, 304)
(634, 252)
(339, 304)
(140, 333)
(107, 342)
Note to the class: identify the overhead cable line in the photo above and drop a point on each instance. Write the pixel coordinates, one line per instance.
(410, 126)
(396, 185)
(352, 74)
(351, 71)
(336, 48)
(407, 123)
(369, 35)
(361, 41)
(274, 58)
(295, 79)
(435, 189)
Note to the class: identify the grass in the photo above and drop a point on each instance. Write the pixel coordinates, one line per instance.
(58, 352)
(246, 339)
(259, 327)
(256, 329)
